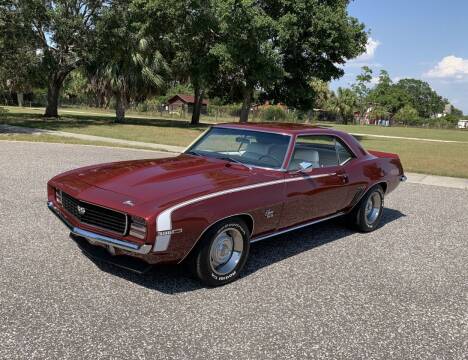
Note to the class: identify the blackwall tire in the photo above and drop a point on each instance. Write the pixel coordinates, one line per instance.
(368, 213)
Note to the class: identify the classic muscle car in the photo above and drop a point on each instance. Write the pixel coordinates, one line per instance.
(235, 185)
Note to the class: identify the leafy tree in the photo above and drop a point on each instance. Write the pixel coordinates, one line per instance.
(127, 62)
(425, 100)
(245, 55)
(407, 114)
(76, 85)
(387, 95)
(65, 32)
(279, 47)
(194, 39)
(19, 61)
(456, 112)
(314, 38)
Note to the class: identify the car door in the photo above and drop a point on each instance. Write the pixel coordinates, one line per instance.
(316, 181)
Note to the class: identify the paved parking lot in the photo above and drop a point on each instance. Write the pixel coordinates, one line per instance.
(323, 292)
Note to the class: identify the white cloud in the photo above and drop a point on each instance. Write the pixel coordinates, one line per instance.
(366, 58)
(450, 67)
(371, 47)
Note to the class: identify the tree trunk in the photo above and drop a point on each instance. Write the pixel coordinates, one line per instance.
(19, 97)
(197, 106)
(244, 115)
(345, 119)
(120, 106)
(53, 93)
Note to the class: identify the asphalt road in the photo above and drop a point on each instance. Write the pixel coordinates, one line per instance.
(324, 292)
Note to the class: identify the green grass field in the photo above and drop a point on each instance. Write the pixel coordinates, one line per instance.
(448, 159)
(420, 133)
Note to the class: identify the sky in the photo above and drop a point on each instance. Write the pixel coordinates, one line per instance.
(421, 39)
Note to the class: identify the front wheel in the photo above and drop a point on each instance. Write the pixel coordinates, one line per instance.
(368, 212)
(222, 253)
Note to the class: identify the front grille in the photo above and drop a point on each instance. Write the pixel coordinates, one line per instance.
(95, 215)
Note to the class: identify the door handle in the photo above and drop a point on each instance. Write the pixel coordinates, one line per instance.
(344, 178)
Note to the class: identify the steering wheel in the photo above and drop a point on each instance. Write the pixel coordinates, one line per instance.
(275, 161)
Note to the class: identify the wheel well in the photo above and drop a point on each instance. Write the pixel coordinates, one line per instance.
(384, 186)
(247, 218)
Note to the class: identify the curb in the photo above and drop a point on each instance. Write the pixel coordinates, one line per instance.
(435, 180)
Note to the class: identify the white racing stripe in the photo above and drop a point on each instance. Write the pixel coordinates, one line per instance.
(164, 219)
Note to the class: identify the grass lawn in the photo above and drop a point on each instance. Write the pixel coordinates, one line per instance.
(60, 140)
(157, 131)
(448, 159)
(420, 133)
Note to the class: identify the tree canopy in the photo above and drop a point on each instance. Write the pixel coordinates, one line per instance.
(236, 51)
(423, 98)
(64, 31)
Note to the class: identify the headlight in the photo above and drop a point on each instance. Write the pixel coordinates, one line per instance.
(137, 227)
(58, 196)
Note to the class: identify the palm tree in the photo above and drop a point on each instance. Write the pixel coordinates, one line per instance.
(128, 64)
(343, 103)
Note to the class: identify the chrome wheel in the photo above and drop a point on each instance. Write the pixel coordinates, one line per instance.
(226, 251)
(373, 208)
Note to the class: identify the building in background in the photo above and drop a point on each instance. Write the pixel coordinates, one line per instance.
(181, 103)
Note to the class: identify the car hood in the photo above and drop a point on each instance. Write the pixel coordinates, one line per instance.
(160, 181)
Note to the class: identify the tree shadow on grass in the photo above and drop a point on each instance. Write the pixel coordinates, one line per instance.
(65, 122)
(175, 279)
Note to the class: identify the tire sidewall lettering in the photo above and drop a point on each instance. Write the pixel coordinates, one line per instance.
(220, 230)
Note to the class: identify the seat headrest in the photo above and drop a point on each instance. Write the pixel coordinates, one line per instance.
(307, 155)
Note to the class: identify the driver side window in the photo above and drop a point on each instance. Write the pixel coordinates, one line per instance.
(318, 151)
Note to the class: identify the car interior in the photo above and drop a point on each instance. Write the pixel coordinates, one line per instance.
(306, 155)
(325, 152)
(268, 153)
(269, 150)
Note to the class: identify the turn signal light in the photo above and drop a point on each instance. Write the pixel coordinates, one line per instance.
(58, 196)
(137, 227)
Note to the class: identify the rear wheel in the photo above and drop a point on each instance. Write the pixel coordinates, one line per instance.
(368, 212)
(222, 253)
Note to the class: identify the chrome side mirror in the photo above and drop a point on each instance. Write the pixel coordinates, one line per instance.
(303, 167)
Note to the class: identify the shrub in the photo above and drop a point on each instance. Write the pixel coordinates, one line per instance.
(142, 107)
(273, 113)
(407, 114)
(232, 110)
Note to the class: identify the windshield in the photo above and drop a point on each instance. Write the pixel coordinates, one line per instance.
(245, 146)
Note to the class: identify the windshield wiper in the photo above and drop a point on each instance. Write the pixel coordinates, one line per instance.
(228, 158)
(193, 152)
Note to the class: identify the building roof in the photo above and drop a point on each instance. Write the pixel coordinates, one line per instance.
(188, 99)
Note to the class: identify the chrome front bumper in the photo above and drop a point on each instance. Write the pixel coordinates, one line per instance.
(93, 237)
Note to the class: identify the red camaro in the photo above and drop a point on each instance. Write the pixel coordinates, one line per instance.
(236, 184)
